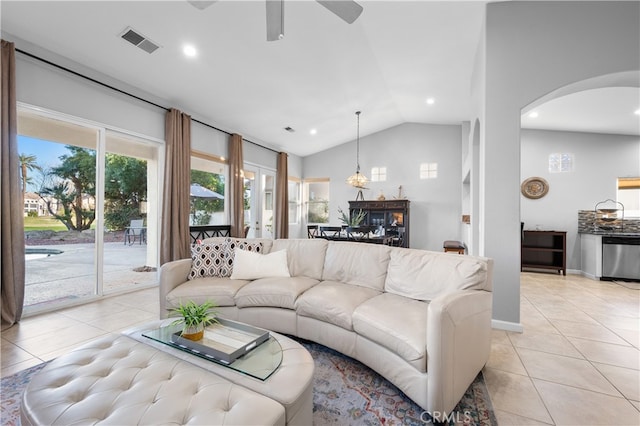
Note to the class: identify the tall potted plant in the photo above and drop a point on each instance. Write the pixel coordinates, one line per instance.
(194, 318)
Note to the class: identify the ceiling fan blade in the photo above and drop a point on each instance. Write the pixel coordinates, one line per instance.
(201, 4)
(347, 10)
(275, 19)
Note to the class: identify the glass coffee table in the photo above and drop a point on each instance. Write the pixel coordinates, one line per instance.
(260, 362)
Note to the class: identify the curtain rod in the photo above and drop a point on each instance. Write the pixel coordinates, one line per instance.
(93, 80)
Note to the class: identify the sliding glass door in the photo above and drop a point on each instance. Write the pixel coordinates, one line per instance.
(82, 186)
(131, 192)
(58, 165)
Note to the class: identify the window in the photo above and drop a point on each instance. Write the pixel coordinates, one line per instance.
(428, 170)
(317, 199)
(294, 200)
(208, 177)
(560, 162)
(629, 195)
(378, 174)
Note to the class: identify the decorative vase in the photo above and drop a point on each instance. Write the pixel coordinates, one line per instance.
(195, 332)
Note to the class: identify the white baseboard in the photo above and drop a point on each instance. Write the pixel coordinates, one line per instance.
(507, 326)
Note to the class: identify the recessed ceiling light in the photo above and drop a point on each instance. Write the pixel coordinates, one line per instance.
(637, 112)
(313, 131)
(533, 114)
(189, 50)
(430, 101)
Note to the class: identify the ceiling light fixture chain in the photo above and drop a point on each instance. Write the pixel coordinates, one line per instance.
(358, 142)
(358, 180)
(281, 36)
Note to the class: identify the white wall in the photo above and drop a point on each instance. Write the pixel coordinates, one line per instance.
(435, 204)
(41, 85)
(599, 160)
(208, 140)
(531, 49)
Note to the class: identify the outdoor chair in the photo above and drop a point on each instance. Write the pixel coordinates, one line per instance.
(135, 231)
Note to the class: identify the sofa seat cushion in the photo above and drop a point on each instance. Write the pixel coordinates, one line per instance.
(333, 302)
(220, 291)
(397, 323)
(273, 292)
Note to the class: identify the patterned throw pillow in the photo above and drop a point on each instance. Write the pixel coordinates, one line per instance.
(232, 244)
(209, 260)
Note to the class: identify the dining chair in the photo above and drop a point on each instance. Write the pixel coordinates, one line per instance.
(358, 233)
(401, 232)
(330, 232)
(312, 231)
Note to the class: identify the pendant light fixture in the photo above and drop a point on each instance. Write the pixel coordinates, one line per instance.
(358, 180)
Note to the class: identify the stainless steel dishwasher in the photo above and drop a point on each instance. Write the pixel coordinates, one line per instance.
(621, 257)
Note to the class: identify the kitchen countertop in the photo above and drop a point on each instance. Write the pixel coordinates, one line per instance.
(611, 233)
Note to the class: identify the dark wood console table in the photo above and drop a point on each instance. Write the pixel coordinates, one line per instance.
(544, 250)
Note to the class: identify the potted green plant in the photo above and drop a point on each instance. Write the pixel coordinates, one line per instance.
(354, 220)
(194, 318)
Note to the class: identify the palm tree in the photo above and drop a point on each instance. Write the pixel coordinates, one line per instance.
(27, 163)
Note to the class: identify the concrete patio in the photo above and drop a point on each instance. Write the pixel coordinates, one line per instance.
(71, 274)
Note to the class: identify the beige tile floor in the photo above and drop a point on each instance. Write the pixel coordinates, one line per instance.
(44, 337)
(577, 361)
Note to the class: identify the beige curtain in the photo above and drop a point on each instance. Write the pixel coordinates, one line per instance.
(175, 238)
(282, 197)
(11, 202)
(236, 186)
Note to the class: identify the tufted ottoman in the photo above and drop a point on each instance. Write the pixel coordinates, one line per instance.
(118, 380)
(291, 384)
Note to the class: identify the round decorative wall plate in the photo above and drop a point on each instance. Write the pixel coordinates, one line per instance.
(534, 187)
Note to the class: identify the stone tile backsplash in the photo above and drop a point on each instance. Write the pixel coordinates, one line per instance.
(587, 224)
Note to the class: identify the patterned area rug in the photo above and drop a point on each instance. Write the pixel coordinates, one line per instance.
(10, 392)
(346, 392)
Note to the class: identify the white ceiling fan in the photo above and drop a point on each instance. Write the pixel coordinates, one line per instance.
(347, 10)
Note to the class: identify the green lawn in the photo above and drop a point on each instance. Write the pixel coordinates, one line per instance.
(43, 223)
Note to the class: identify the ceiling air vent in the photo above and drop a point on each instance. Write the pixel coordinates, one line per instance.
(139, 40)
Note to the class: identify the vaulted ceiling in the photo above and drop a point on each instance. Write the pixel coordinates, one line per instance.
(393, 58)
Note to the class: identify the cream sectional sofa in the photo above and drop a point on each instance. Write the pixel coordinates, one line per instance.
(421, 319)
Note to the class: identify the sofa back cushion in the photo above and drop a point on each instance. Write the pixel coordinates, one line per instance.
(424, 275)
(305, 256)
(360, 264)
